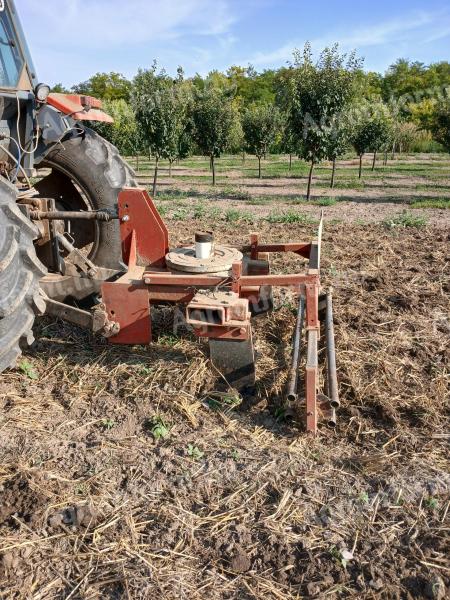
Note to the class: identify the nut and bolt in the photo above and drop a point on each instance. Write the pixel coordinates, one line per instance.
(125, 218)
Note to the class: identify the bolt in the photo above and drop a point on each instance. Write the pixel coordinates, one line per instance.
(125, 219)
(147, 280)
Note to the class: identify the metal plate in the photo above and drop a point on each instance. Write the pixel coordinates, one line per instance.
(221, 260)
(235, 360)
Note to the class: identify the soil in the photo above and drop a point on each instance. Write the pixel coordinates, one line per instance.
(236, 502)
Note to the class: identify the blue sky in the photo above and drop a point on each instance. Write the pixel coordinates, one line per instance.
(72, 39)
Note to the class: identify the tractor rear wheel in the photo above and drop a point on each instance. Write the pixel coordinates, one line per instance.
(20, 272)
(86, 173)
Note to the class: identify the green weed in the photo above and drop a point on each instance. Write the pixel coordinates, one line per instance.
(233, 215)
(107, 424)
(158, 427)
(28, 369)
(405, 219)
(326, 201)
(194, 452)
(432, 203)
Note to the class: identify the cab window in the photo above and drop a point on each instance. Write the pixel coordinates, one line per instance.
(11, 62)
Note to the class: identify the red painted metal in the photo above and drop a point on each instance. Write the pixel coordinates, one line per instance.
(312, 305)
(81, 108)
(145, 243)
(128, 305)
(242, 332)
(301, 248)
(138, 214)
(311, 382)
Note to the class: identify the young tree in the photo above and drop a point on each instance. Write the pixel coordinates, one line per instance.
(161, 107)
(320, 91)
(337, 142)
(213, 117)
(372, 130)
(260, 124)
(108, 86)
(441, 125)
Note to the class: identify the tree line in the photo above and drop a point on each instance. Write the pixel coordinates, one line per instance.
(316, 109)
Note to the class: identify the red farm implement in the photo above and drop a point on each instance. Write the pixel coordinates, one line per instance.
(221, 288)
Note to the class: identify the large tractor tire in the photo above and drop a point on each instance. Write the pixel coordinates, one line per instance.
(20, 272)
(86, 173)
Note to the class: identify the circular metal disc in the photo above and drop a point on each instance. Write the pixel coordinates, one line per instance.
(221, 260)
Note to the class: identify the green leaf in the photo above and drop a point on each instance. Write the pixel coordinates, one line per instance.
(28, 369)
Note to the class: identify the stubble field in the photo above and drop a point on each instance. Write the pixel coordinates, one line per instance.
(125, 473)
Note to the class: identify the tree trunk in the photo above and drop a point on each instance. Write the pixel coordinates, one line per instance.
(360, 165)
(243, 157)
(393, 151)
(308, 192)
(333, 173)
(155, 178)
(259, 167)
(374, 160)
(290, 162)
(385, 158)
(170, 168)
(213, 168)
(137, 162)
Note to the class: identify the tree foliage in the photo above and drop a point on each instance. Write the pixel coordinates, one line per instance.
(320, 92)
(260, 123)
(161, 106)
(441, 125)
(371, 130)
(108, 86)
(213, 116)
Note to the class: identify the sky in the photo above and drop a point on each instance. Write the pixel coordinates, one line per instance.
(72, 39)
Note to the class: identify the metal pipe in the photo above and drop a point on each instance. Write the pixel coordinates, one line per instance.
(333, 392)
(60, 215)
(331, 420)
(291, 390)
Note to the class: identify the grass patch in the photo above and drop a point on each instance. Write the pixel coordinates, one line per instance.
(432, 203)
(326, 201)
(290, 217)
(233, 193)
(234, 215)
(405, 219)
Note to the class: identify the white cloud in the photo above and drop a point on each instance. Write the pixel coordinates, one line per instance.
(123, 22)
(393, 31)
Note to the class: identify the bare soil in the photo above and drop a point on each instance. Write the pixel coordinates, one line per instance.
(236, 502)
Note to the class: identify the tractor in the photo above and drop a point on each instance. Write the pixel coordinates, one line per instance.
(81, 241)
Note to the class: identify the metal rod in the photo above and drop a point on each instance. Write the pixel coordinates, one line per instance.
(291, 390)
(333, 392)
(59, 215)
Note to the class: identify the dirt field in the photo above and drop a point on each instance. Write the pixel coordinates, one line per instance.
(124, 473)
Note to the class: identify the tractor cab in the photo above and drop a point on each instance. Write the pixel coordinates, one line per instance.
(17, 72)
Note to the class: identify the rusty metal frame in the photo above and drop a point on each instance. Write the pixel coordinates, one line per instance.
(145, 243)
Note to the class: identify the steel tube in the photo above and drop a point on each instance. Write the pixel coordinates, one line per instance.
(333, 392)
(291, 390)
(60, 215)
(331, 421)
